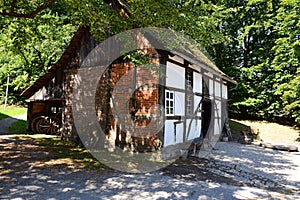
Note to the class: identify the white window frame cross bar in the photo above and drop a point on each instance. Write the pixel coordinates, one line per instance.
(169, 103)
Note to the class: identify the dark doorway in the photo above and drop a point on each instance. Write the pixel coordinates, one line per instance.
(206, 116)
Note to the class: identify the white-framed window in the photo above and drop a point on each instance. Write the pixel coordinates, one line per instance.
(169, 103)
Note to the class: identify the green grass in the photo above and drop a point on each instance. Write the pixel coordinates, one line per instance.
(68, 153)
(11, 111)
(18, 126)
(271, 132)
(64, 154)
(48, 152)
(236, 128)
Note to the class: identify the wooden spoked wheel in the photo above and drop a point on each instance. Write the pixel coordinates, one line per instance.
(46, 125)
(34, 122)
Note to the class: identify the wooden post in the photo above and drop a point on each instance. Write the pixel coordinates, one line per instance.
(6, 93)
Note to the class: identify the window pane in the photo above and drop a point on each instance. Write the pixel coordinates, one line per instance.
(169, 102)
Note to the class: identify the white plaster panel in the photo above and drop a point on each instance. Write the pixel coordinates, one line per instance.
(197, 78)
(197, 100)
(169, 136)
(217, 127)
(218, 116)
(217, 89)
(179, 133)
(211, 87)
(194, 130)
(169, 133)
(224, 91)
(175, 76)
(179, 103)
(218, 108)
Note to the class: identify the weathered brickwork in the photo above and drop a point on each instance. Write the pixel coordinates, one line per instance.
(126, 99)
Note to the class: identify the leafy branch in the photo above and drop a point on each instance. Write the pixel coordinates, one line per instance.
(12, 13)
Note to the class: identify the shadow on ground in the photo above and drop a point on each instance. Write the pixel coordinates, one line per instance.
(49, 168)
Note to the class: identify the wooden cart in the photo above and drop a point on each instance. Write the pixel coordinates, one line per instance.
(45, 116)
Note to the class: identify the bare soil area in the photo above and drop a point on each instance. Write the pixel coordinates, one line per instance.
(39, 167)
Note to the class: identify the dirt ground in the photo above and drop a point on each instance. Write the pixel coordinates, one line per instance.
(32, 168)
(21, 154)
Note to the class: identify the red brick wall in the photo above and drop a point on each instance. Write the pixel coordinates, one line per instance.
(126, 121)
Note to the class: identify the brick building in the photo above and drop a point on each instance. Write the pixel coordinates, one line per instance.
(138, 108)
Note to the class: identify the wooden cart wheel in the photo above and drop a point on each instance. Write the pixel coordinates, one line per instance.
(48, 125)
(55, 125)
(34, 123)
(41, 124)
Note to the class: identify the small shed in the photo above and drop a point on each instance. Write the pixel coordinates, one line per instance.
(190, 100)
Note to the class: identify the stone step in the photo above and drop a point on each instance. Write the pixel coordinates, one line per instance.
(281, 147)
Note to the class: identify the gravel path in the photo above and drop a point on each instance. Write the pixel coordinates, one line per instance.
(7, 122)
(242, 171)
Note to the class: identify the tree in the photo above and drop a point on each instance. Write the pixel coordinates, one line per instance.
(253, 55)
(29, 47)
(37, 43)
(254, 41)
(286, 63)
(9, 8)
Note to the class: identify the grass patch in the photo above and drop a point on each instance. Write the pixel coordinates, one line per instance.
(236, 128)
(18, 126)
(268, 132)
(66, 152)
(12, 111)
(54, 152)
(25, 153)
(63, 153)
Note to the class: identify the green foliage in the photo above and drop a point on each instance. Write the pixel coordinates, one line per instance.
(286, 63)
(197, 19)
(290, 94)
(28, 48)
(263, 55)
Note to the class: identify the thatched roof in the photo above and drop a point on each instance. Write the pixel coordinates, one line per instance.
(186, 48)
(188, 52)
